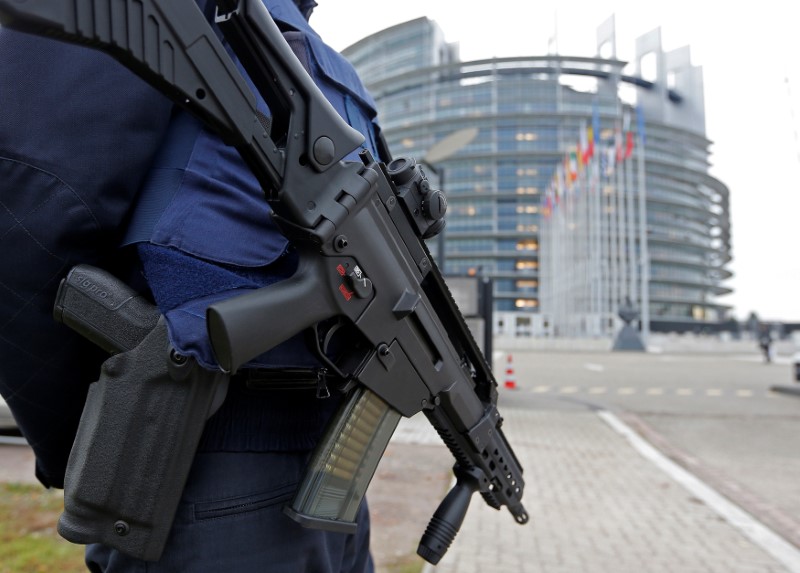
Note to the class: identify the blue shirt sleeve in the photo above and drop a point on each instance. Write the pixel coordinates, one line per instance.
(217, 219)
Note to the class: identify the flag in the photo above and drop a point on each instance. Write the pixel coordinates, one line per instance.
(583, 144)
(589, 153)
(611, 154)
(626, 148)
(603, 162)
(594, 130)
(628, 145)
(571, 165)
(559, 183)
(547, 209)
(586, 145)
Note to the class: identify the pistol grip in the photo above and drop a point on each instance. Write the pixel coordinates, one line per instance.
(102, 308)
(243, 327)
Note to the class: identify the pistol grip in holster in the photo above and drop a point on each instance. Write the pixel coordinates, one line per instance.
(140, 426)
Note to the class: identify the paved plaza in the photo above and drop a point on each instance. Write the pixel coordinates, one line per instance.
(639, 463)
(598, 505)
(602, 498)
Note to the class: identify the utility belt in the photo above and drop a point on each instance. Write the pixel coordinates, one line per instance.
(273, 410)
(152, 409)
(265, 380)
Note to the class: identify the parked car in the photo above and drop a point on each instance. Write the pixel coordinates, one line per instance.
(7, 423)
(796, 367)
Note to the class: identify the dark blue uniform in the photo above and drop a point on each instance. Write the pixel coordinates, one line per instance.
(78, 135)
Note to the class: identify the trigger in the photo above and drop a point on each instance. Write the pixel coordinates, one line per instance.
(320, 340)
(327, 337)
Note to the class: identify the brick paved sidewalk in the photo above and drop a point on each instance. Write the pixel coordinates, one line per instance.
(596, 505)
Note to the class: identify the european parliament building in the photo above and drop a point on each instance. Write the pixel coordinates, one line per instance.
(584, 186)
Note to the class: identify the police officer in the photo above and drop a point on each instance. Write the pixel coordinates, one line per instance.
(83, 146)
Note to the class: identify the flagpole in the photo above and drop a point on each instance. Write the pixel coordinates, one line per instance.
(622, 248)
(586, 231)
(644, 255)
(602, 250)
(550, 253)
(558, 275)
(596, 284)
(602, 239)
(594, 236)
(563, 278)
(624, 214)
(631, 250)
(585, 244)
(568, 263)
(613, 235)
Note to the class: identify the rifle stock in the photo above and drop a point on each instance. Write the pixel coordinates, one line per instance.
(359, 228)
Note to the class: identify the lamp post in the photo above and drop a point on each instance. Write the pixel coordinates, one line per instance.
(438, 152)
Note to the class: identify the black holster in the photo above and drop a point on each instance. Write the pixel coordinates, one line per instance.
(134, 448)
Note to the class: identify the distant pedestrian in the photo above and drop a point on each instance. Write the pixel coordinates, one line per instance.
(765, 342)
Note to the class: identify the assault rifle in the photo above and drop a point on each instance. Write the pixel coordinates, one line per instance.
(365, 275)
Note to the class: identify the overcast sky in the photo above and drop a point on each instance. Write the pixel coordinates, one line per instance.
(751, 65)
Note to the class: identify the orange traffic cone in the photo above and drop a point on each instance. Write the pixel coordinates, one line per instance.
(511, 379)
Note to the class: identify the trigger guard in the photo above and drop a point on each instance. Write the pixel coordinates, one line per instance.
(319, 348)
(330, 334)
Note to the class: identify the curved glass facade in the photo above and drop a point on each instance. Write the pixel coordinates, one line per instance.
(531, 113)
